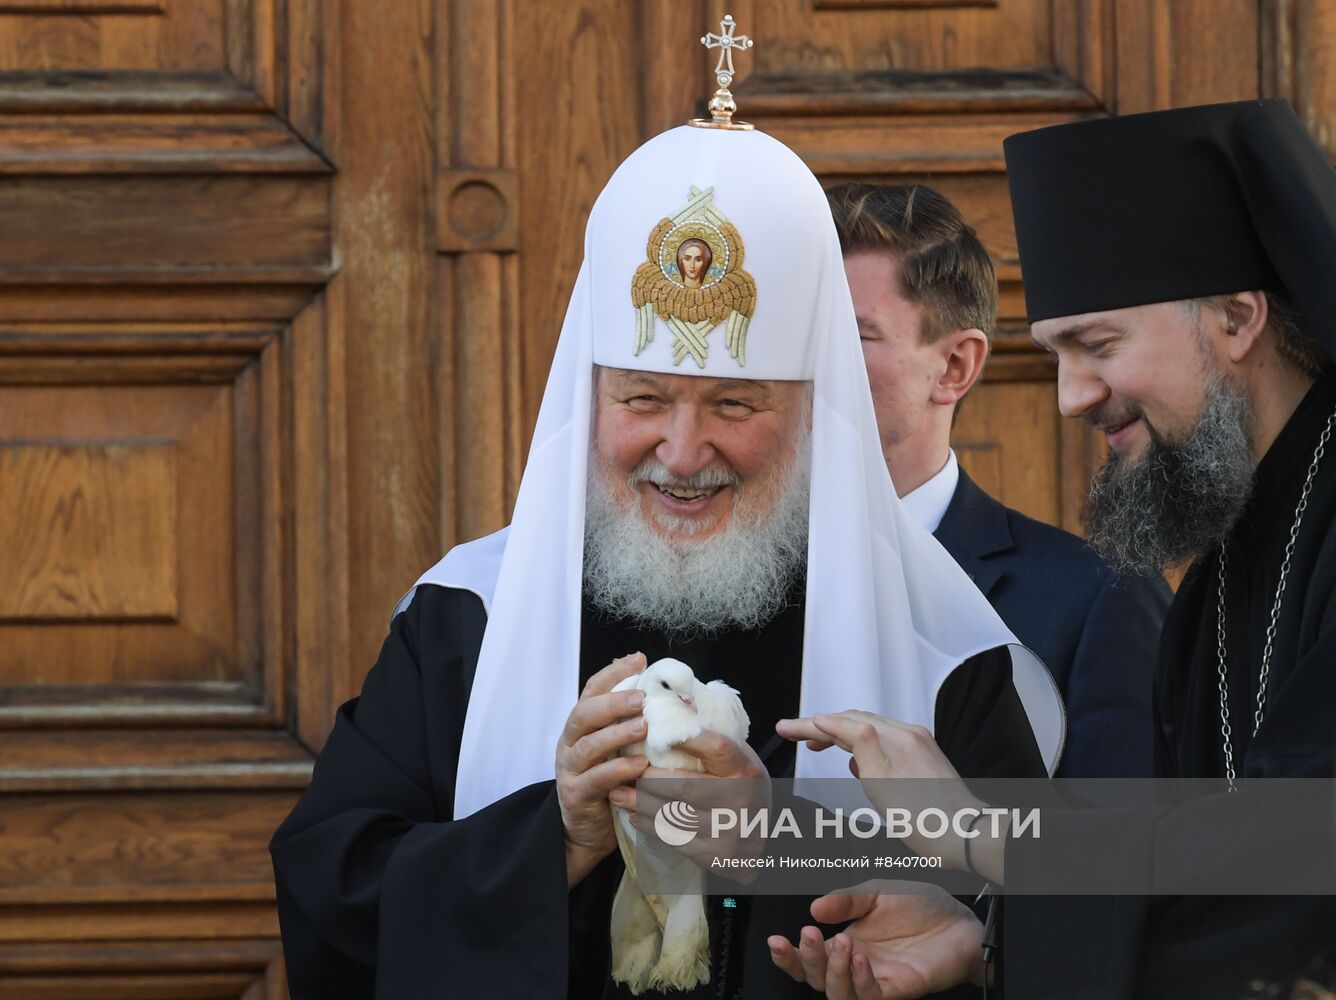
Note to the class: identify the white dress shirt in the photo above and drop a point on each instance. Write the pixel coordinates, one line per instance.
(927, 504)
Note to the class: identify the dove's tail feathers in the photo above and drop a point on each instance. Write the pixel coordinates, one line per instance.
(684, 960)
(637, 920)
(635, 937)
(626, 840)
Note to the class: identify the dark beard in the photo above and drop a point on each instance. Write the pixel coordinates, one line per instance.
(1180, 499)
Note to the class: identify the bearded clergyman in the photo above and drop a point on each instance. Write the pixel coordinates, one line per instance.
(1178, 265)
(704, 482)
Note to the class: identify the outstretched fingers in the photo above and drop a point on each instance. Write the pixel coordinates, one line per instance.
(786, 957)
(840, 907)
(804, 729)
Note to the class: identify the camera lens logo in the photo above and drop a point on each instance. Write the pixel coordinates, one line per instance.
(676, 823)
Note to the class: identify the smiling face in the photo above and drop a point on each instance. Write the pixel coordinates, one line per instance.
(696, 510)
(695, 453)
(1131, 372)
(693, 260)
(1157, 382)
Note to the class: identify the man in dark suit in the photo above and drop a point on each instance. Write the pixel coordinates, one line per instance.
(925, 294)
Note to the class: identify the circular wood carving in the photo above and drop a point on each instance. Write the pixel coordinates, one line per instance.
(478, 210)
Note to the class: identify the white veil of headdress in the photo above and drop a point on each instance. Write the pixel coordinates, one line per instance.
(889, 614)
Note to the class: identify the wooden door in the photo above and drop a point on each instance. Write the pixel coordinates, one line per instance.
(279, 285)
(900, 91)
(172, 525)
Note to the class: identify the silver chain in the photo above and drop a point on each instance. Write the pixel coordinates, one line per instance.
(1226, 733)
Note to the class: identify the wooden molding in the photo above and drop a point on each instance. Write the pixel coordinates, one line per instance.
(898, 4)
(477, 210)
(141, 954)
(275, 296)
(83, 8)
(138, 969)
(480, 415)
(127, 92)
(235, 916)
(165, 229)
(95, 144)
(875, 146)
(806, 95)
(197, 706)
(1280, 51)
(1294, 63)
(113, 369)
(144, 759)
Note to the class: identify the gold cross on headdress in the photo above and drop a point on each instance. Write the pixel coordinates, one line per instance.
(726, 43)
(722, 105)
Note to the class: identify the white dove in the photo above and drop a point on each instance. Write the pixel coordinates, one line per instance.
(663, 942)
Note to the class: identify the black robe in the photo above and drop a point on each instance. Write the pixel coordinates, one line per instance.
(381, 893)
(1219, 946)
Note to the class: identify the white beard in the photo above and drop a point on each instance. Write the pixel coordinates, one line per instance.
(736, 579)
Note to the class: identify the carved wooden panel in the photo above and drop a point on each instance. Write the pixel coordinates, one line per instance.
(247, 72)
(105, 36)
(279, 285)
(172, 470)
(155, 475)
(908, 87)
(109, 482)
(477, 210)
(65, 502)
(1296, 43)
(1008, 437)
(196, 847)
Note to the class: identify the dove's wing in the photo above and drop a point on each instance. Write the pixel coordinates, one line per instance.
(721, 711)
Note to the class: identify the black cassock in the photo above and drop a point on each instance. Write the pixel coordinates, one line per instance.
(1220, 946)
(381, 893)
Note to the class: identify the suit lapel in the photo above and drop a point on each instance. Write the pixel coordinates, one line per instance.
(975, 531)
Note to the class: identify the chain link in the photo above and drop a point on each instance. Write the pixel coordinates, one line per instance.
(1226, 732)
(1264, 675)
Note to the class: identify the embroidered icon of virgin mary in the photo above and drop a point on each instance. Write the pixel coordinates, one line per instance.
(694, 281)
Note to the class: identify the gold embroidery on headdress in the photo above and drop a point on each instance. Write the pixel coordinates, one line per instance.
(693, 280)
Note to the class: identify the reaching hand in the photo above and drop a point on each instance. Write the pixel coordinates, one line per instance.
(900, 945)
(884, 749)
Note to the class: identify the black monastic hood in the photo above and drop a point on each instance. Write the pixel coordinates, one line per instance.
(1124, 211)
